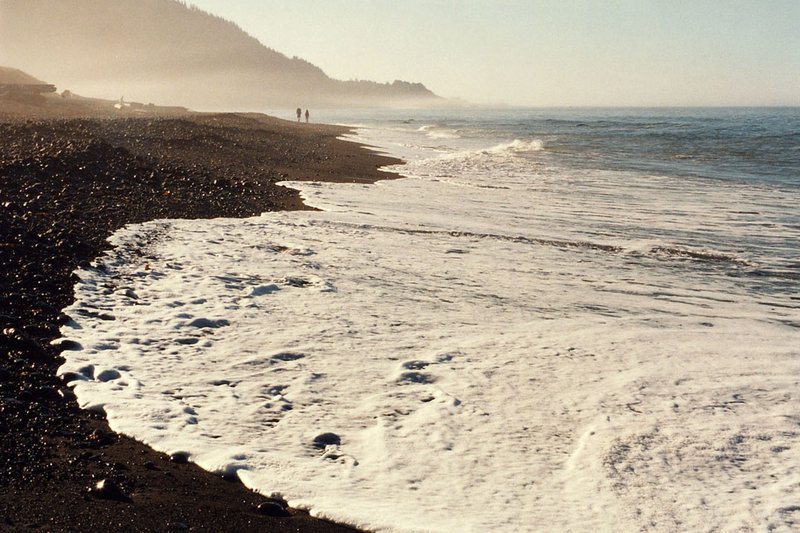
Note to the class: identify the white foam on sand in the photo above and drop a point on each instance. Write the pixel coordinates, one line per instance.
(399, 364)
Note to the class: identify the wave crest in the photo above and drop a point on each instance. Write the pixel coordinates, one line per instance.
(517, 146)
(439, 132)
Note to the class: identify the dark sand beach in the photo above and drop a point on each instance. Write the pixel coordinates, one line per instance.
(70, 175)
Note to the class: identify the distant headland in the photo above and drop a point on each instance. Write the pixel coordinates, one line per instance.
(169, 52)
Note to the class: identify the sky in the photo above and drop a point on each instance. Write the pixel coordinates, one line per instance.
(545, 52)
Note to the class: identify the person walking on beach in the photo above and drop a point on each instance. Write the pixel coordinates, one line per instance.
(306, 116)
(299, 112)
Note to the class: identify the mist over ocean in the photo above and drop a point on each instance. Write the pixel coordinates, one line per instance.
(559, 320)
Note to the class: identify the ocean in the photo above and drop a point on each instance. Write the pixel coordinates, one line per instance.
(557, 320)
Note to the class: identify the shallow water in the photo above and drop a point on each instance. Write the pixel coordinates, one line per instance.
(539, 329)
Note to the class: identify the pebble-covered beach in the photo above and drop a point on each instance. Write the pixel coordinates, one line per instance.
(69, 177)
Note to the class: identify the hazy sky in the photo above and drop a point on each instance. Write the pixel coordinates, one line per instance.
(545, 52)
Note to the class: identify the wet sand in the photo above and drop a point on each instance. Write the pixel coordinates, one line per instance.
(70, 175)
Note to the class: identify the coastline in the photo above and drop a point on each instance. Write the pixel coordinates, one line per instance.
(72, 175)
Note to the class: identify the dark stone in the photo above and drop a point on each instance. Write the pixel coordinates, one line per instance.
(180, 458)
(326, 439)
(230, 477)
(46, 393)
(8, 320)
(417, 377)
(273, 507)
(108, 490)
(45, 329)
(67, 377)
(67, 395)
(100, 438)
(18, 340)
(25, 396)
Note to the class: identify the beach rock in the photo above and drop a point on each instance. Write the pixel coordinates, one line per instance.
(273, 507)
(66, 344)
(44, 329)
(179, 458)
(18, 340)
(46, 393)
(68, 377)
(100, 438)
(108, 490)
(326, 439)
(67, 395)
(25, 396)
(8, 320)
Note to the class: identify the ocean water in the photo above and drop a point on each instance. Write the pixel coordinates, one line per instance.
(559, 320)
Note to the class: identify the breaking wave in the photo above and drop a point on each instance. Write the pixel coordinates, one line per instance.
(439, 132)
(503, 151)
(517, 146)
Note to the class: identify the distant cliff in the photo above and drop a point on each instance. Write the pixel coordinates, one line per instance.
(167, 52)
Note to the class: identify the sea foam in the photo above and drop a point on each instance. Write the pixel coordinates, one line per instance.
(429, 355)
